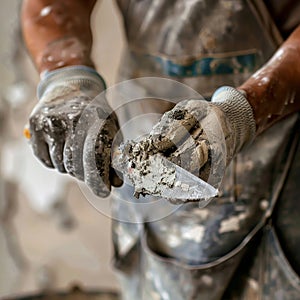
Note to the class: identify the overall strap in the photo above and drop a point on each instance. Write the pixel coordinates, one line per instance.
(279, 184)
(263, 16)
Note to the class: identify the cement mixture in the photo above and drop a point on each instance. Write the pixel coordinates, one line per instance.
(180, 139)
(147, 173)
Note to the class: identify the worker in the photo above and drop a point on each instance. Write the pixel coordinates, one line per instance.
(244, 244)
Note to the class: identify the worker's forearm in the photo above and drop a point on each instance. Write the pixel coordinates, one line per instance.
(274, 91)
(57, 32)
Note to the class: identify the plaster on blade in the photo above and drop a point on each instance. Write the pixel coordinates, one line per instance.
(160, 177)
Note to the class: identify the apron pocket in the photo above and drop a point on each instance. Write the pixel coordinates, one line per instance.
(168, 278)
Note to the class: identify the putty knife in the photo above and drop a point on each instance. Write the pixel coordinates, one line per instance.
(163, 179)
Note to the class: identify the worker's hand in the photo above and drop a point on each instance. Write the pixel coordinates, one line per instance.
(71, 130)
(196, 134)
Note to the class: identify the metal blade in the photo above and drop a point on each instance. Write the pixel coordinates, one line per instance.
(164, 179)
(187, 185)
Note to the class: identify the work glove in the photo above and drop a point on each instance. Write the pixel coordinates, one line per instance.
(201, 136)
(72, 130)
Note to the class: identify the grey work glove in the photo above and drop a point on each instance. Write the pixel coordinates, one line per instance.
(71, 130)
(203, 137)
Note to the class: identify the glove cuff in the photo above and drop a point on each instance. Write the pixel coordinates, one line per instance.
(239, 113)
(79, 76)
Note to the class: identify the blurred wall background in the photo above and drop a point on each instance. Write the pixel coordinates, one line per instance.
(50, 236)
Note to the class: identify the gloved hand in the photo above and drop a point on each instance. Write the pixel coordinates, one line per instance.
(201, 136)
(72, 131)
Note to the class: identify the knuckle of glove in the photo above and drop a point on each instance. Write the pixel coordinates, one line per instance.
(180, 135)
(52, 125)
(193, 155)
(173, 127)
(176, 124)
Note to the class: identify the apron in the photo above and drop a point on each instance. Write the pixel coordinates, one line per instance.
(164, 251)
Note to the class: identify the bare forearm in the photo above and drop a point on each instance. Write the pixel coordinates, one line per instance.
(57, 32)
(274, 91)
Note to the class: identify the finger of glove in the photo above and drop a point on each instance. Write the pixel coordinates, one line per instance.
(72, 155)
(172, 129)
(75, 137)
(40, 148)
(54, 133)
(96, 159)
(56, 154)
(193, 154)
(37, 140)
(81, 124)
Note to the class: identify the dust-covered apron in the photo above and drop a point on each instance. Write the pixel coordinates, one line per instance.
(188, 252)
